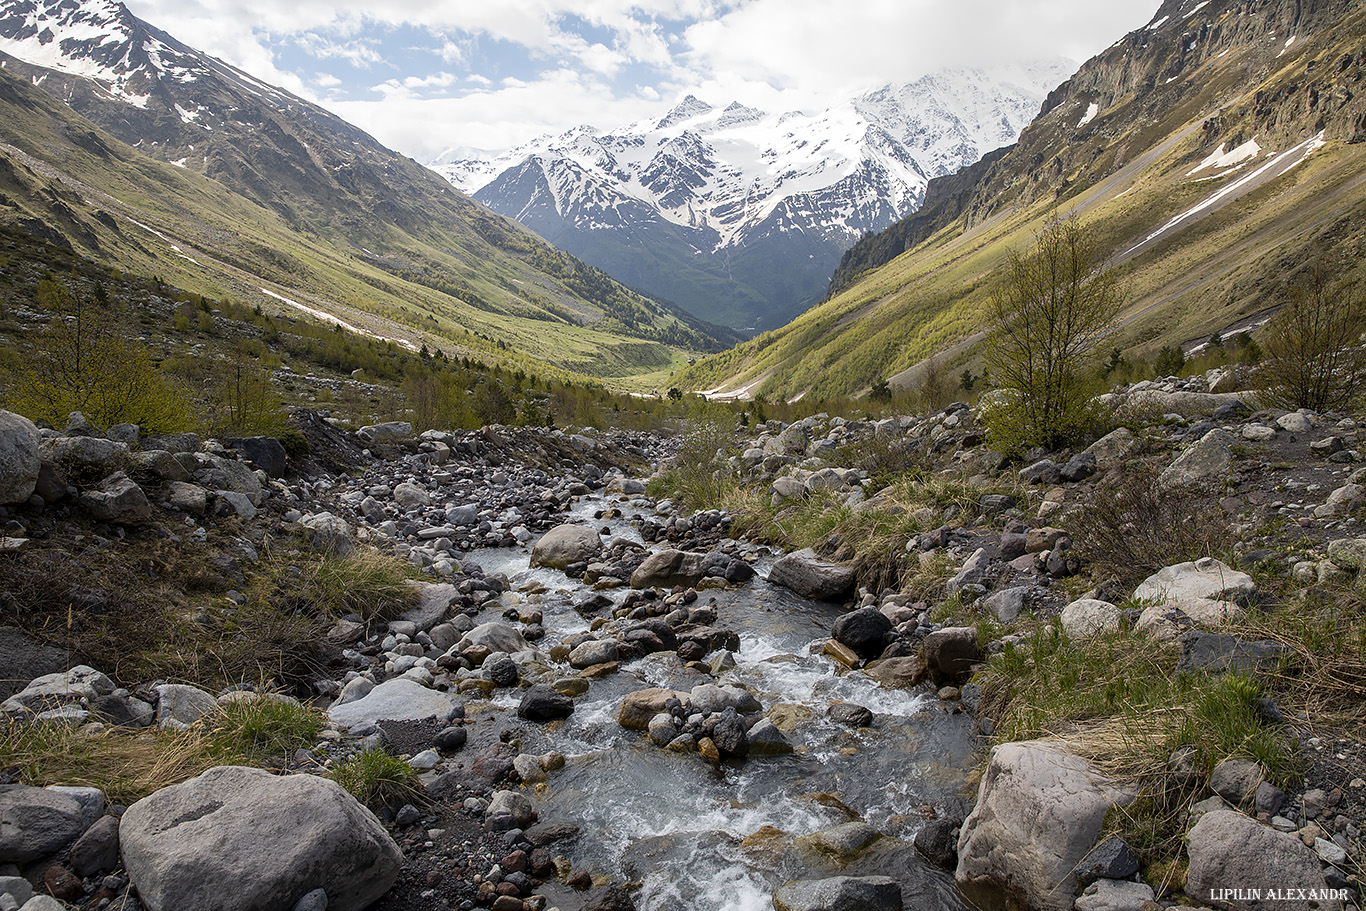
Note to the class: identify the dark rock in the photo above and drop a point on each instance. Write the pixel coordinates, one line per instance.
(541, 703)
(1042, 472)
(1269, 799)
(266, 453)
(1079, 467)
(62, 883)
(613, 898)
(549, 832)
(502, 670)
(937, 840)
(1221, 652)
(952, 652)
(839, 893)
(1012, 546)
(1230, 411)
(24, 658)
(450, 739)
(1111, 859)
(729, 734)
(864, 630)
(96, 851)
(995, 503)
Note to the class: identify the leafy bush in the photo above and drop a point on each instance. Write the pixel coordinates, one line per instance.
(1314, 356)
(1052, 313)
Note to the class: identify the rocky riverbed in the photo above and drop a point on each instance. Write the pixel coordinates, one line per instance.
(613, 704)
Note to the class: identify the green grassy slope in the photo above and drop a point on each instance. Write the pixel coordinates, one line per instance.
(1162, 108)
(466, 279)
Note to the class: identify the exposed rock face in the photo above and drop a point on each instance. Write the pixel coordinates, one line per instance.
(19, 461)
(811, 577)
(1206, 461)
(1040, 809)
(243, 838)
(1228, 847)
(566, 544)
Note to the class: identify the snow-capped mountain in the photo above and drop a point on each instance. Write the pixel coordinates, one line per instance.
(740, 215)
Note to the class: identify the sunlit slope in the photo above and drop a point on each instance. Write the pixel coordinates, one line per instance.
(1277, 125)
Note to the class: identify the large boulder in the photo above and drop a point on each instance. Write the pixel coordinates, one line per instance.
(266, 453)
(1227, 850)
(1087, 617)
(566, 544)
(1204, 579)
(811, 577)
(639, 707)
(1206, 462)
(951, 652)
(1040, 810)
(669, 567)
(19, 460)
(494, 636)
(243, 838)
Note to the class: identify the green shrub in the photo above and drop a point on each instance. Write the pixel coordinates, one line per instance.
(378, 779)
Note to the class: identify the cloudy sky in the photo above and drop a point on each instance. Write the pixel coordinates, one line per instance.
(426, 75)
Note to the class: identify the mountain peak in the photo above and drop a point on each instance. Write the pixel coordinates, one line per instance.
(686, 109)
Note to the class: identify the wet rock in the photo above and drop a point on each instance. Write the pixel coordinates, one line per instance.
(937, 841)
(864, 630)
(639, 707)
(812, 577)
(613, 898)
(669, 567)
(729, 734)
(543, 703)
(839, 893)
(855, 716)
(595, 651)
(187, 846)
(1040, 810)
(899, 673)
(1225, 846)
(19, 459)
(566, 544)
(509, 810)
(951, 652)
(765, 739)
(500, 669)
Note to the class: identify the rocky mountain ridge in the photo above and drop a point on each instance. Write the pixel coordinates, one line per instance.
(735, 213)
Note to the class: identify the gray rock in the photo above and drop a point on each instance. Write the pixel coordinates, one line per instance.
(239, 503)
(667, 568)
(501, 669)
(331, 534)
(1111, 450)
(229, 474)
(25, 658)
(186, 497)
(19, 459)
(1237, 780)
(91, 800)
(93, 454)
(1111, 859)
(17, 888)
(1040, 810)
(844, 842)
(1225, 847)
(36, 822)
(244, 838)
(855, 716)
(937, 841)
(1008, 603)
(594, 651)
(566, 544)
(386, 432)
(81, 684)
(96, 851)
(312, 901)
(1087, 617)
(1221, 652)
(1114, 895)
(495, 636)
(399, 699)
(839, 893)
(408, 495)
(729, 734)
(766, 740)
(811, 577)
(1207, 461)
(180, 706)
(1206, 578)
(1349, 553)
(509, 810)
(117, 500)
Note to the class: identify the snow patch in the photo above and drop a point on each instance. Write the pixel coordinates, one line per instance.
(1091, 111)
(1195, 9)
(1220, 159)
(1156, 25)
(328, 317)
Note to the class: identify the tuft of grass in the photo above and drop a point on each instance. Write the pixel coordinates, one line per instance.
(378, 779)
(369, 583)
(129, 765)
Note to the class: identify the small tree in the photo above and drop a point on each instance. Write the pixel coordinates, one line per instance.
(1314, 356)
(1052, 311)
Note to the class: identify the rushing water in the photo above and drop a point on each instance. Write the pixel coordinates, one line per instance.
(680, 825)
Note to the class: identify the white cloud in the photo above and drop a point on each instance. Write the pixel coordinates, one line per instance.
(774, 54)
